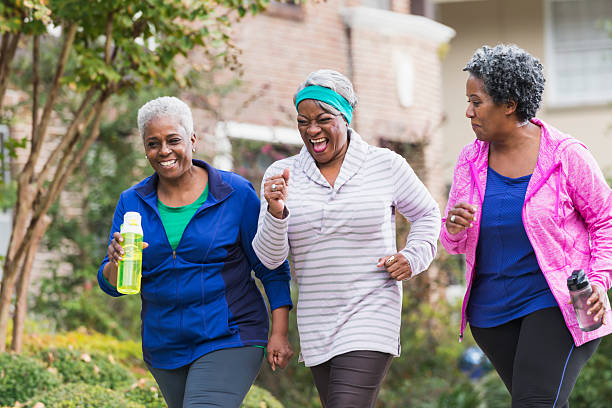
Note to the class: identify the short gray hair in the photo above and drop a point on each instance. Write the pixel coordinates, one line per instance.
(510, 73)
(165, 106)
(333, 80)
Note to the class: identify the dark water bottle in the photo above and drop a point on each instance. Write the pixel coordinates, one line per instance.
(580, 290)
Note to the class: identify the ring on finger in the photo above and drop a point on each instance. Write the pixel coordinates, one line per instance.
(452, 218)
(273, 188)
(390, 260)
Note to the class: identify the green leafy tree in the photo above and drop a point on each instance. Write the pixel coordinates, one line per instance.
(104, 48)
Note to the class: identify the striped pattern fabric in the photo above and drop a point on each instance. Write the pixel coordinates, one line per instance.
(336, 235)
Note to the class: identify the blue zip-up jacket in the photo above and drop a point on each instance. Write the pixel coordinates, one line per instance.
(201, 297)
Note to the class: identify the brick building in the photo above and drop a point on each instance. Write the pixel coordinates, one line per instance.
(392, 57)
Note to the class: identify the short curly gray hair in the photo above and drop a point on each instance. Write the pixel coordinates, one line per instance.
(510, 73)
(165, 106)
(333, 80)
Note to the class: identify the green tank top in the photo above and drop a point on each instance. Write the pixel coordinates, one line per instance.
(175, 219)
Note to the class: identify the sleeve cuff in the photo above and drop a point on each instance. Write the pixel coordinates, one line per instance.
(106, 286)
(454, 237)
(275, 222)
(278, 293)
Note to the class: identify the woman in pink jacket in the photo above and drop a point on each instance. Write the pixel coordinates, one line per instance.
(528, 205)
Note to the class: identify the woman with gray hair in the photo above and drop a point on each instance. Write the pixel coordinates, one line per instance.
(332, 207)
(204, 321)
(528, 206)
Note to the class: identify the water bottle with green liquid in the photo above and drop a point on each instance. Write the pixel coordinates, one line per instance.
(130, 267)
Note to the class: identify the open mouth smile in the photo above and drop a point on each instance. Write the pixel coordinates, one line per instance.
(319, 145)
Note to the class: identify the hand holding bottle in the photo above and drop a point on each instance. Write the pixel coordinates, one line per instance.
(125, 255)
(115, 249)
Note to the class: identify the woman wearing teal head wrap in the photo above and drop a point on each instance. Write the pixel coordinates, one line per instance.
(336, 217)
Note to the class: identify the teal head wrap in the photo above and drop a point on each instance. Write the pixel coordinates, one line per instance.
(320, 93)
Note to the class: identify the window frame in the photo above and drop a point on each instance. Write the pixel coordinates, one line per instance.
(554, 98)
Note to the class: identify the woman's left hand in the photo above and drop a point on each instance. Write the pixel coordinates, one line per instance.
(279, 351)
(397, 265)
(599, 303)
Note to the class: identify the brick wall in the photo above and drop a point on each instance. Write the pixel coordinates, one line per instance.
(281, 47)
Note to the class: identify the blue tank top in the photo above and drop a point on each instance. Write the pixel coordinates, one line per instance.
(508, 282)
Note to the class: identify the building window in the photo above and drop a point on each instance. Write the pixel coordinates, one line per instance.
(5, 214)
(248, 149)
(379, 4)
(579, 52)
(289, 9)
(423, 8)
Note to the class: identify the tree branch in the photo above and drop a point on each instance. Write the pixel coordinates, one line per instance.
(78, 122)
(109, 38)
(38, 139)
(5, 62)
(65, 169)
(35, 82)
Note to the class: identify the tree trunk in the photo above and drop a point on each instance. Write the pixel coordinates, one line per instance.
(21, 303)
(25, 197)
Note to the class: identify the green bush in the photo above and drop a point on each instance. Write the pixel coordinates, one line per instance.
(430, 392)
(127, 352)
(95, 369)
(147, 393)
(21, 377)
(594, 385)
(494, 392)
(82, 396)
(461, 395)
(260, 398)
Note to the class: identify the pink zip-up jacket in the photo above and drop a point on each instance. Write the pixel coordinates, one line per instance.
(567, 215)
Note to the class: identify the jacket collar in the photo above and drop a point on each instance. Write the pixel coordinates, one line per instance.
(218, 189)
(353, 161)
(552, 142)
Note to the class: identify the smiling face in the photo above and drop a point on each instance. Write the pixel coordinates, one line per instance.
(324, 134)
(168, 147)
(489, 120)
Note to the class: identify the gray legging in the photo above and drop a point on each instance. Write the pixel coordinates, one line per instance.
(221, 378)
(351, 380)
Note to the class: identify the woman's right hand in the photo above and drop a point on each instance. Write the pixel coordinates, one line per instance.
(275, 193)
(460, 217)
(115, 250)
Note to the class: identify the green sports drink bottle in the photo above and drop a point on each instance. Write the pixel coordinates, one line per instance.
(130, 267)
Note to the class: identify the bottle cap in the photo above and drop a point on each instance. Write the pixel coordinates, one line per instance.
(578, 280)
(131, 222)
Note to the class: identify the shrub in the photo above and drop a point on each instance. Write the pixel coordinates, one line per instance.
(82, 396)
(260, 398)
(430, 392)
(147, 393)
(127, 352)
(98, 369)
(494, 392)
(594, 386)
(21, 377)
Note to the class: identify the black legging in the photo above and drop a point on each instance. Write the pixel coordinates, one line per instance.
(536, 358)
(351, 380)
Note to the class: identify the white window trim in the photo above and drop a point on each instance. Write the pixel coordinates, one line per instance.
(390, 23)
(551, 98)
(225, 131)
(6, 218)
